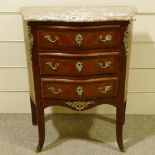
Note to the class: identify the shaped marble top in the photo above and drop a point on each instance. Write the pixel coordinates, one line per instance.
(78, 14)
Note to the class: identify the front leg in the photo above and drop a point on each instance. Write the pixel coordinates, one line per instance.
(41, 129)
(124, 112)
(33, 112)
(119, 127)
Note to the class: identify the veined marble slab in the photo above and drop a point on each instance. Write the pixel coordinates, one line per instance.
(78, 14)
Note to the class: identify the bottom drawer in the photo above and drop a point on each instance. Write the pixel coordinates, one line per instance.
(78, 89)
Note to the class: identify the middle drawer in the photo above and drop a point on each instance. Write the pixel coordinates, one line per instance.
(78, 64)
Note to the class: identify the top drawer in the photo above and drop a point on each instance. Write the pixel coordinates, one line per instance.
(85, 37)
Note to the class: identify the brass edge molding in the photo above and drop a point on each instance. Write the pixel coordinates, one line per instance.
(79, 105)
(30, 40)
(126, 38)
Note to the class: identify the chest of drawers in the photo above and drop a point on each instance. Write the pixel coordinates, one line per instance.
(77, 61)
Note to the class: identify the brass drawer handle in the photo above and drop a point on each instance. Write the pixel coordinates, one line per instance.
(48, 37)
(79, 39)
(105, 38)
(105, 89)
(79, 91)
(55, 91)
(105, 65)
(52, 65)
(79, 66)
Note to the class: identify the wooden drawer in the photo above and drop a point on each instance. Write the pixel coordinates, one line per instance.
(92, 37)
(78, 89)
(77, 64)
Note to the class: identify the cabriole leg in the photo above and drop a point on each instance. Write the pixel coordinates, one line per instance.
(119, 127)
(33, 112)
(41, 129)
(124, 112)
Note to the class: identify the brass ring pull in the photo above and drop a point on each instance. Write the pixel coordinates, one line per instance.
(105, 65)
(105, 89)
(55, 91)
(105, 38)
(48, 37)
(53, 66)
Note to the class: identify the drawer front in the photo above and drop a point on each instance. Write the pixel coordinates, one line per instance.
(78, 89)
(68, 64)
(49, 37)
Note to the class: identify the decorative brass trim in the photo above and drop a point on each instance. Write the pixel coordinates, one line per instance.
(79, 39)
(79, 91)
(79, 105)
(126, 39)
(30, 40)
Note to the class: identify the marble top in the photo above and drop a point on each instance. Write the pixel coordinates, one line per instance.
(78, 14)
